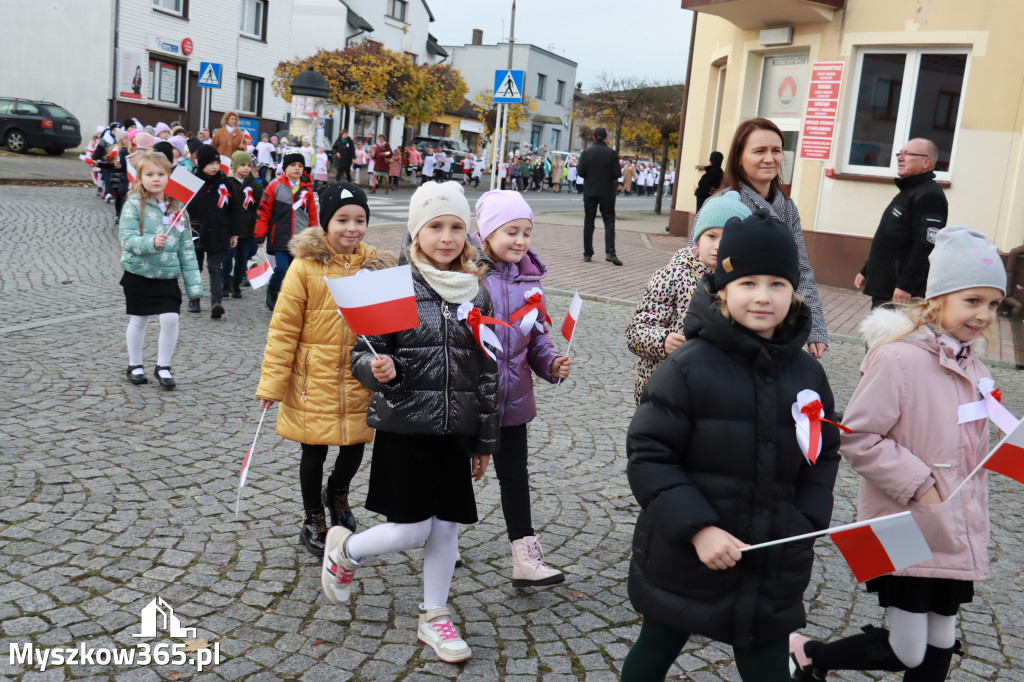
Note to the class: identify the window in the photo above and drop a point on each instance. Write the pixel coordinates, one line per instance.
(397, 9)
(165, 80)
(901, 94)
(719, 95)
(559, 91)
(542, 80)
(179, 7)
(23, 108)
(556, 139)
(535, 133)
(254, 17)
(412, 57)
(248, 99)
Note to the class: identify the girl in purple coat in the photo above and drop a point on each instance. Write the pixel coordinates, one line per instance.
(506, 221)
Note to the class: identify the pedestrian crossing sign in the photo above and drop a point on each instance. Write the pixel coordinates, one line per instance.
(508, 86)
(209, 75)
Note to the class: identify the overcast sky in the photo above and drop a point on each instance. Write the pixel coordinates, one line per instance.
(643, 38)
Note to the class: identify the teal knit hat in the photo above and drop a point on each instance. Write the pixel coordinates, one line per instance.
(717, 210)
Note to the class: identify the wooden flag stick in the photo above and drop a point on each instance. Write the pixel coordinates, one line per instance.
(249, 454)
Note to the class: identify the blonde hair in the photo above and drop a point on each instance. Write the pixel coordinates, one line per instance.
(468, 261)
(928, 312)
(143, 160)
(226, 116)
(719, 304)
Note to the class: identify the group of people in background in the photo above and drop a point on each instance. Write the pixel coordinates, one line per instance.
(641, 178)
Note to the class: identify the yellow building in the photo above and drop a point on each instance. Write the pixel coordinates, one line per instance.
(947, 70)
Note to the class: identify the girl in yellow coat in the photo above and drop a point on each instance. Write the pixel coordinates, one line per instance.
(306, 364)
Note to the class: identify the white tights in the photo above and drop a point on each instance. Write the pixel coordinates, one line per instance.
(442, 538)
(911, 633)
(136, 334)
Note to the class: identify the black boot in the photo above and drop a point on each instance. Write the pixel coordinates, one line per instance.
(869, 651)
(272, 298)
(226, 289)
(935, 666)
(236, 290)
(193, 305)
(314, 532)
(337, 504)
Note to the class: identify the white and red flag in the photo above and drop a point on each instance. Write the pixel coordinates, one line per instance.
(572, 317)
(247, 462)
(131, 171)
(88, 159)
(225, 164)
(182, 185)
(260, 275)
(379, 302)
(1008, 456)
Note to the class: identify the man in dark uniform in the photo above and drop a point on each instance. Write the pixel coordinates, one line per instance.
(897, 266)
(599, 166)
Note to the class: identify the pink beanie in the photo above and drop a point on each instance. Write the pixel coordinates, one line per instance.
(161, 127)
(498, 207)
(178, 143)
(144, 140)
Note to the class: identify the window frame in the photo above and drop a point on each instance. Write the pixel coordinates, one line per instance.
(392, 4)
(904, 113)
(159, 60)
(158, 6)
(262, 35)
(542, 84)
(559, 91)
(258, 111)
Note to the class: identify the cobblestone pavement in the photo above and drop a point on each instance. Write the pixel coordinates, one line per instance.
(112, 495)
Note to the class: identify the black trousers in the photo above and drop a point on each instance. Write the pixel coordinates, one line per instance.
(339, 171)
(311, 471)
(514, 482)
(214, 266)
(590, 207)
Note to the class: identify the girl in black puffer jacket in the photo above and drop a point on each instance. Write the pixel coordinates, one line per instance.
(715, 465)
(434, 406)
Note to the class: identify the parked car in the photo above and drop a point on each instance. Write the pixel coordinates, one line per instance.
(457, 149)
(25, 124)
(566, 155)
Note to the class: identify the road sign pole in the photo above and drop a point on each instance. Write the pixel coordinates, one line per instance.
(496, 159)
(504, 136)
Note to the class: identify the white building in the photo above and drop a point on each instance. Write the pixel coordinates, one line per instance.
(549, 80)
(65, 52)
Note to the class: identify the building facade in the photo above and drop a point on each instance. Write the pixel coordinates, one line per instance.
(945, 70)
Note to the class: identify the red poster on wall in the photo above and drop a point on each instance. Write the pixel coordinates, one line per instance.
(820, 113)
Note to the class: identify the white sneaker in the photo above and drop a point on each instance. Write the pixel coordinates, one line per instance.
(437, 631)
(338, 569)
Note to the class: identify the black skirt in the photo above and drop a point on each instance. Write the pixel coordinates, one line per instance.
(146, 296)
(414, 477)
(921, 595)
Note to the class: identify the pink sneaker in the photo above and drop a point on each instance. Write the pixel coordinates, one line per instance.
(338, 569)
(437, 631)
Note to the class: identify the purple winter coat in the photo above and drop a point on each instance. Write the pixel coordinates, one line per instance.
(507, 284)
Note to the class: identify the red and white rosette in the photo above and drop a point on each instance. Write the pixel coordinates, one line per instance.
(808, 413)
(528, 315)
(477, 322)
(222, 196)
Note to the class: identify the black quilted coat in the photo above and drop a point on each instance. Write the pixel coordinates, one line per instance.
(445, 384)
(713, 442)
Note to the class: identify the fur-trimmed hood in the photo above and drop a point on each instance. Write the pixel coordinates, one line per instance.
(886, 323)
(312, 244)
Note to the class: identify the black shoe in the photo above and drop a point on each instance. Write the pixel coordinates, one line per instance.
(193, 305)
(586, 258)
(236, 290)
(272, 298)
(245, 283)
(337, 505)
(136, 378)
(612, 258)
(314, 532)
(217, 311)
(166, 383)
(226, 289)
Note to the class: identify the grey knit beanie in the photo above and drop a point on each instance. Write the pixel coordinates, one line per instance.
(963, 258)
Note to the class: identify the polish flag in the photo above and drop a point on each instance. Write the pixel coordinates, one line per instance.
(260, 275)
(572, 317)
(245, 468)
(881, 546)
(1008, 456)
(225, 164)
(131, 172)
(377, 302)
(182, 185)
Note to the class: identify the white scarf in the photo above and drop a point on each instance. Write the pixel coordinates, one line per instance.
(451, 285)
(230, 129)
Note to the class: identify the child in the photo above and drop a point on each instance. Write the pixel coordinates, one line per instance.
(714, 462)
(306, 362)
(214, 212)
(359, 162)
(249, 193)
(287, 208)
(428, 167)
(435, 410)
(911, 453)
(478, 171)
(394, 170)
(154, 255)
(265, 153)
(657, 325)
(506, 223)
(319, 170)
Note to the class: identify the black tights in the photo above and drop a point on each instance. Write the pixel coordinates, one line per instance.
(311, 471)
(658, 646)
(514, 482)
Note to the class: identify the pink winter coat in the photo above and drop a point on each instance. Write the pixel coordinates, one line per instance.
(904, 414)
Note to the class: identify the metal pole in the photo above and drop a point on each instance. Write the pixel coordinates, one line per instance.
(504, 137)
(512, 34)
(113, 90)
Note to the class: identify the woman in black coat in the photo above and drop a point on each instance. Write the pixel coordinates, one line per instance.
(711, 180)
(713, 444)
(215, 214)
(344, 151)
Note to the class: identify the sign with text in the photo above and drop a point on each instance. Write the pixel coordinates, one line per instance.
(819, 127)
(130, 74)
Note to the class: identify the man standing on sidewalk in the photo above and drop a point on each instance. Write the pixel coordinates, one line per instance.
(599, 166)
(897, 265)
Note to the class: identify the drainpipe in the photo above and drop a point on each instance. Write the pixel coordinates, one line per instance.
(682, 115)
(354, 35)
(113, 89)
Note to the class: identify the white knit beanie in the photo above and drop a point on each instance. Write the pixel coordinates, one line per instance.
(435, 199)
(962, 259)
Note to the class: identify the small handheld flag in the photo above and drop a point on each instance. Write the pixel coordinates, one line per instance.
(131, 172)
(572, 317)
(225, 164)
(247, 462)
(182, 185)
(379, 302)
(260, 275)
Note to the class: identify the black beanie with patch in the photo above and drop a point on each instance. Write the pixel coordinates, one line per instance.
(338, 194)
(757, 245)
(206, 155)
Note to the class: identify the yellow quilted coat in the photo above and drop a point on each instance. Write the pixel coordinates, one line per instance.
(306, 365)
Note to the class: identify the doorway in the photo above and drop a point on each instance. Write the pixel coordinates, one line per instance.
(193, 114)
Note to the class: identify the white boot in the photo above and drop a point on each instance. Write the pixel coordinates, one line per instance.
(528, 567)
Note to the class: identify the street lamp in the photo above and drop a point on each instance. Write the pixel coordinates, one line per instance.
(309, 98)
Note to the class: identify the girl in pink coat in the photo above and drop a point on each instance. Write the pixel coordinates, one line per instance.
(911, 454)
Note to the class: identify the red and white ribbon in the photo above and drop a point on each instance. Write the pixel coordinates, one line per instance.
(247, 199)
(808, 414)
(990, 406)
(300, 201)
(471, 315)
(528, 314)
(223, 196)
